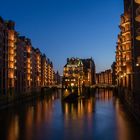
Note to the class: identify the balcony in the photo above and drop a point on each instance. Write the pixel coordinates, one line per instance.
(126, 31)
(11, 59)
(28, 71)
(28, 55)
(11, 44)
(123, 59)
(138, 14)
(28, 77)
(126, 41)
(28, 61)
(10, 74)
(126, 50)
(137, 1)
(11, 37)
(28, 49)
(138, 34)
(125, 22)
(28, 66)
(11, 52)
(123, 68)
(11, 65)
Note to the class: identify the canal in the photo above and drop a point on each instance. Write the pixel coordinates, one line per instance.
(99, 116)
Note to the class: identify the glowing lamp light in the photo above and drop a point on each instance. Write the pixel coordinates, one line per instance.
(72, 84)
(138, 37)
(138, 34)
(124, 74)
(137, 18)
(138, 14)
(137, 1)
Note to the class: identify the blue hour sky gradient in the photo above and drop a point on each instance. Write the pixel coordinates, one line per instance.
(66, 28)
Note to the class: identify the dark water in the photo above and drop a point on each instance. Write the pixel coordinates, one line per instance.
(98, 117)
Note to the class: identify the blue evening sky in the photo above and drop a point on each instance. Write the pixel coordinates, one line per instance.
(68, 28)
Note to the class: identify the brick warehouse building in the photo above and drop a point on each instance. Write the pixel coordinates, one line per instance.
(128, 55)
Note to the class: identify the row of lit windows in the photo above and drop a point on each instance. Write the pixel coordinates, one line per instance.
(73, 80)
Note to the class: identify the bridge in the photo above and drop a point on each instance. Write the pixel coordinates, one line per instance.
(109, 86)
(103, 86)
(52, 86)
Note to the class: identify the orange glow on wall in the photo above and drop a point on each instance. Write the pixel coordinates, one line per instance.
(11, 74)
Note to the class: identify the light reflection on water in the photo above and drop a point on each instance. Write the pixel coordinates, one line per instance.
(99, 116)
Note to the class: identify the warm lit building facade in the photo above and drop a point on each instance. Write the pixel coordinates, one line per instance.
(124, 53)
(12, 60)
(3, 58)
(57, 78)
(20, 85)
(43, 70)
(104, 77)
(12, 38)
(79, 72)
(73, 73)
(23, 68)
(88, 71)
(128, 48)
(24, 65)
(50, 73)
(28, 65)
(47, 72)
(8, 37)
(37, 68)
(114, 77)
(128, 56)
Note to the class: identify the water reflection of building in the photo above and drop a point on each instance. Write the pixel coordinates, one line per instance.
(104, 94)
(78, 72)
(79, 108)
(35, 114)
(13, 131)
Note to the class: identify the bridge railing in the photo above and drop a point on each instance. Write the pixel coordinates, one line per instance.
(103, 86)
